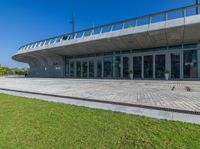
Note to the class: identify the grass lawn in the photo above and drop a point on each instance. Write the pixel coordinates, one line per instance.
(39, 124)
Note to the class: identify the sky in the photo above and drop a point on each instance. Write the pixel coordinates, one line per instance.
(25, 21)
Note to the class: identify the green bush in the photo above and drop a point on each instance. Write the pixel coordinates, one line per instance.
(6, 71)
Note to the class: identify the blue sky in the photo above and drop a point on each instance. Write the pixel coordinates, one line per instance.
(24, 21)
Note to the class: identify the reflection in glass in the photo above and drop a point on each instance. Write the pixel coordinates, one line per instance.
(99, 68)
(137, 66)
(67, 68)
(91, 69)
(85, 69)
(108, 61)
(175, 66)
(72, 69)
(190, 64)
(117, 66)
(160, 65)
(125, 67)
(148, 66)
(78, 69)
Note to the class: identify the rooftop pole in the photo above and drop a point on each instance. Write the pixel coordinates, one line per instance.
(197, 6)
(72, 22)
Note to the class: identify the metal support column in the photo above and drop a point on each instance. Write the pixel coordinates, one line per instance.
(113, 66)
(154, 66)
(181, 65)
(122, 75)
(102, 71)
(95, 68)
(142, 67)
(197, 7)
(75, 69)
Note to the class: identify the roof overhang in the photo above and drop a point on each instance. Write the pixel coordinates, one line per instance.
(167, 33)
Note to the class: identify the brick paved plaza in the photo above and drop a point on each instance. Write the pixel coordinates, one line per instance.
(184, 95)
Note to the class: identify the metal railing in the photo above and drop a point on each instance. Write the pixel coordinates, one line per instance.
(130, 23)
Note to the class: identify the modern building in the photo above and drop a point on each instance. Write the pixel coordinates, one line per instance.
(148, 45)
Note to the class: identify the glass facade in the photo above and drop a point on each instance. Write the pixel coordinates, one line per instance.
(183, 62)
(72, 69)
(108, 67)
(117, 66)
(137, 66)
(67, 68)
(78, 69)
(99, 69)
(160, 66)
(126, 67)
(85, 69)
(190, 64)
(175, 65)
(91, 69)
(148, 66)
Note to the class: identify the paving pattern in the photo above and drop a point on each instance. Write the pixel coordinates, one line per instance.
(184, 95)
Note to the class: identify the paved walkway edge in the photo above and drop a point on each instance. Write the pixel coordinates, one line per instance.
(149, 111)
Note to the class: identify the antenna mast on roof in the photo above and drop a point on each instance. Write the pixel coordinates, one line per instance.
(72, 22)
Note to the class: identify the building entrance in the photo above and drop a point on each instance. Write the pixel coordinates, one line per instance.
(175, 65)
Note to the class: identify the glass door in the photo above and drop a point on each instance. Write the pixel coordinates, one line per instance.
(85, 69)
(148, 66)
(72, 69)
(125, 67)
(137, 66)
(108, 65)
(160, 66)
(175, 65)
(99, 68)
(190, 65)
(117, 66)
(67, 68)
(78, 69)
(91, 69)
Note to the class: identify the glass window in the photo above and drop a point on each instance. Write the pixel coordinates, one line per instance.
(117, 27)
(148, 66)
(96, 31)
(78, 69)
(91, 69)
(158, 18)
(143, 21)
(160, 65)
(175, 14)
(106, 29)
(125, 67)
(67, 68)
(137, 66)
(99, 68)
(85, 69)
(190, 46)
(72, 69)
(175, 65)
(87, 33)
(108, 63)
(129, 24)
(117, 66)
(190, 64)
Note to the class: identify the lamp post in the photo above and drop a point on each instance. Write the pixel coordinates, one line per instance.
(197, 6)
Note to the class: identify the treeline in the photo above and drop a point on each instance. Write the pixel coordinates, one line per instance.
(6, 71)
